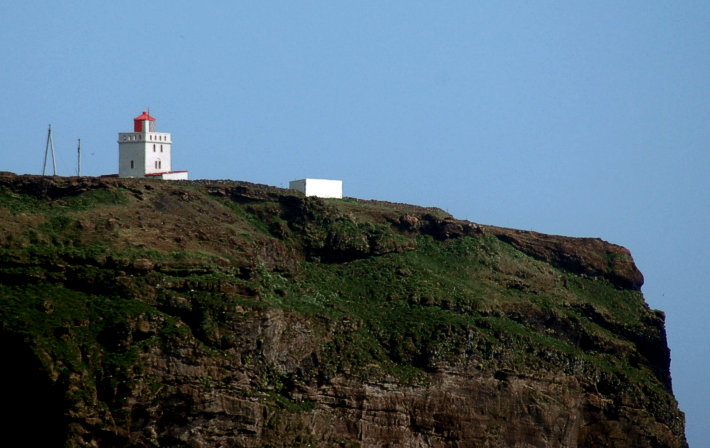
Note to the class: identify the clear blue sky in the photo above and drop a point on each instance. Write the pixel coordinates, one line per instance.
(574, 118)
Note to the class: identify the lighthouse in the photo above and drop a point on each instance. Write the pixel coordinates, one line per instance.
(146, 152)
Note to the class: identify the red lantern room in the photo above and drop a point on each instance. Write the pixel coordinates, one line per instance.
(144, 123)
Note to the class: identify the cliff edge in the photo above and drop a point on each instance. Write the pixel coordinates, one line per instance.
(217, 313)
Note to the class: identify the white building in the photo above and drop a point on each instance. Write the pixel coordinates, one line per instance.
(322, 188)
(145, 152)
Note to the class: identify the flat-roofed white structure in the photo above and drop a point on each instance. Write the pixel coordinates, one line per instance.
(170, 175)
(322, 188)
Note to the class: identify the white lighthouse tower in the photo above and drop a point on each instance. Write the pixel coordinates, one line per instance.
(145, 152)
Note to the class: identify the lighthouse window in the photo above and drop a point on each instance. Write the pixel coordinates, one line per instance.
(131, 164)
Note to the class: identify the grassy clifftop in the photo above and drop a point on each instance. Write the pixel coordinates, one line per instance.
(112, 288)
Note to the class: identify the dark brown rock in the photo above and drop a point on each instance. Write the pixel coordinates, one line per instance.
(190, 337)
(587, 256)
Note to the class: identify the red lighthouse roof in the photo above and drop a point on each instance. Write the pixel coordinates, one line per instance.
(138, 122)
(144, 116)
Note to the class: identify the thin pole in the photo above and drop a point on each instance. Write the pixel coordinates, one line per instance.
(46, 148)
(50, 144)
(78, 162)
(54, 160)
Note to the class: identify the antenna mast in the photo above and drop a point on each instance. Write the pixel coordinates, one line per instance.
(78, 162)
(50, 144)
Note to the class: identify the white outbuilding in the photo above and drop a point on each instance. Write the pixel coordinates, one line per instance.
(145, 152)
(322, 188)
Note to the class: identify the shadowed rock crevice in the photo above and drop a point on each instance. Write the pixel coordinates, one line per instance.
(32, 406)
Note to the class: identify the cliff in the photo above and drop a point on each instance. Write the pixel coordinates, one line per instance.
(215, 314)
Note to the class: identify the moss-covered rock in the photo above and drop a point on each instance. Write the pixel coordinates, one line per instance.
(232, 314)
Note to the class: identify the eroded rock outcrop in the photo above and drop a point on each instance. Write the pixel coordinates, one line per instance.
(215, 314)
(586, 256)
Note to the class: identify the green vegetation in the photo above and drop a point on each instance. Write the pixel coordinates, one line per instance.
(92, 279)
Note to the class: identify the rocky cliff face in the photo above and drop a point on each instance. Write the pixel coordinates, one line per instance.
(202, 314)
